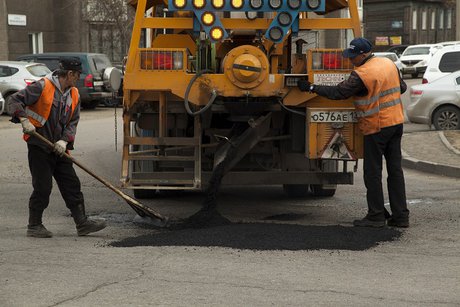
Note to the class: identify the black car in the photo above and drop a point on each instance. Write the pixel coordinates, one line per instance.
(399, 49)
(92, 86)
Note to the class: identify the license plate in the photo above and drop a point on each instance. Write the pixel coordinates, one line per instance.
(329, 79)
(98, 83)
(333, 117)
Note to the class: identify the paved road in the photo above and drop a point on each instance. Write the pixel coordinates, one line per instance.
(303, 252)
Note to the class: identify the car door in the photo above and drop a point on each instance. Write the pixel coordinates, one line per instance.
(5, 78)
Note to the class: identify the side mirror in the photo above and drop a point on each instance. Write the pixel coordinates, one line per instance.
(112, 78)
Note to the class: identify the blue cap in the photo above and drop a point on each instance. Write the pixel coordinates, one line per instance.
(357, 46)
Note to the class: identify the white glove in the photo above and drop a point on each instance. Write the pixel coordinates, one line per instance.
(27, 126)
(60, 147)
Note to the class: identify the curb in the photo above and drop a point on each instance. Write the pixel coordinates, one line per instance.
(432, 167)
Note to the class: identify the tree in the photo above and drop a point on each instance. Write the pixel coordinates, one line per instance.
(109, 26)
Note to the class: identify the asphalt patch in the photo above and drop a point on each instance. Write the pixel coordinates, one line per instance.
(269, 236)
(286, 217)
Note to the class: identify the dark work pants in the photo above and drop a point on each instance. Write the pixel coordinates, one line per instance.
(43, 167)
(385, 143)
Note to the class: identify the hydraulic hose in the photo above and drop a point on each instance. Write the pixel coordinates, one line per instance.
(187, 92)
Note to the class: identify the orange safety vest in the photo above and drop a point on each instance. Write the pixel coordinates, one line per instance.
(39, 112)
(382, 107)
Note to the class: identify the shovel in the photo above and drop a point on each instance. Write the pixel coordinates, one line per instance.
(142, 210)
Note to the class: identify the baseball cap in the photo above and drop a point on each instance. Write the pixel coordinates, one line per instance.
(70, 63)
(357, 46)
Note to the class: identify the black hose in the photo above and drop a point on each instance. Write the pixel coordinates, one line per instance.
(187, 92)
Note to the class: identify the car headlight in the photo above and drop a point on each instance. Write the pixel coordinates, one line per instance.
(422, 63)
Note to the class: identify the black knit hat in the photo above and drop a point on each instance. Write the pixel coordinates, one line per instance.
(70, 63)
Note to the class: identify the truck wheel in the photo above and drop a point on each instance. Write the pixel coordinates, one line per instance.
(144, 194)
(295, 190)
(447, 118)
(323, 190)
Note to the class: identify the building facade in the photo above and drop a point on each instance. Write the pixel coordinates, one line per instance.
(389, 22)
(31, 26)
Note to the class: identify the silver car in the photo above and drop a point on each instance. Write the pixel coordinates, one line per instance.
(392, 56)
(437, 103)
(15, 75)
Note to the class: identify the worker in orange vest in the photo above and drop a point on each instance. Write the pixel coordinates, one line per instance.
(376, 86)
(51, 108)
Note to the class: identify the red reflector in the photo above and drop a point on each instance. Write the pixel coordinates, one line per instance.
(416, 92)
(89, 81)
(332, 61)
(424, 81)
(29, 81)
(162, 60)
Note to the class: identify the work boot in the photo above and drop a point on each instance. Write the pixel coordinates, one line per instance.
(365, 222)
(35, 227)
(398, 223)
(84, 224)
(38, 231)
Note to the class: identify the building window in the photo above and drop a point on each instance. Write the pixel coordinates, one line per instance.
(360, 4)
(414, 20)
(441, 19)
(449, 19)
(36, 42)
(424, 20)
(433, 20)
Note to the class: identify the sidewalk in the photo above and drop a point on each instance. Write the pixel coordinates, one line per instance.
(436, 152)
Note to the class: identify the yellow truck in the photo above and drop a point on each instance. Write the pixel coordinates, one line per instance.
(204, 77)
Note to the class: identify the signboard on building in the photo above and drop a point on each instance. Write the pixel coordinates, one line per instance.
(381, 40)
(395, 40)
(17, 20)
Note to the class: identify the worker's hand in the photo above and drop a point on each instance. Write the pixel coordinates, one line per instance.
(305, 85)
(27, 126)
(60, 147)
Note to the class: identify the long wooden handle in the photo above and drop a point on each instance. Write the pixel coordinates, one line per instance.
(131, 201)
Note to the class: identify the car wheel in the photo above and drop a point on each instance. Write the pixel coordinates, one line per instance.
(323, 190)
(90, 105)
(295, 190)
(447, 118)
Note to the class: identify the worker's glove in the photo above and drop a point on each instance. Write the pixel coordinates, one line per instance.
(305, 85)
(27, 126)
(60, 147)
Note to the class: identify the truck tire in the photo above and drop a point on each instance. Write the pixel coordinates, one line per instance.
(322, 190)
(295, 190)
(447, 118)
(144, 193)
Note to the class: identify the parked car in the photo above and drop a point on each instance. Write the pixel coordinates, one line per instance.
(2, 104)
(415, 58)
(14, 76)
(92, 86)
(444, 62)
(449, 43)
(392, 56)
(398, 49)
(436, 103)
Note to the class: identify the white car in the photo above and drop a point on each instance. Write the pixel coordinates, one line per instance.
(2, 104)
(415, 58)
(444, 62)
(392, 56)
(15, 76)
(436, 103)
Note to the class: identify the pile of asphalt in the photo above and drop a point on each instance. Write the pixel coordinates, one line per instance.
(268, 236)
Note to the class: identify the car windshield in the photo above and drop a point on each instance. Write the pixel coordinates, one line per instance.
(38, 70)
(101, 62)
(417, 51)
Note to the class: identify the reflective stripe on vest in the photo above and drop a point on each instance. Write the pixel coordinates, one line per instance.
(382, 107)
